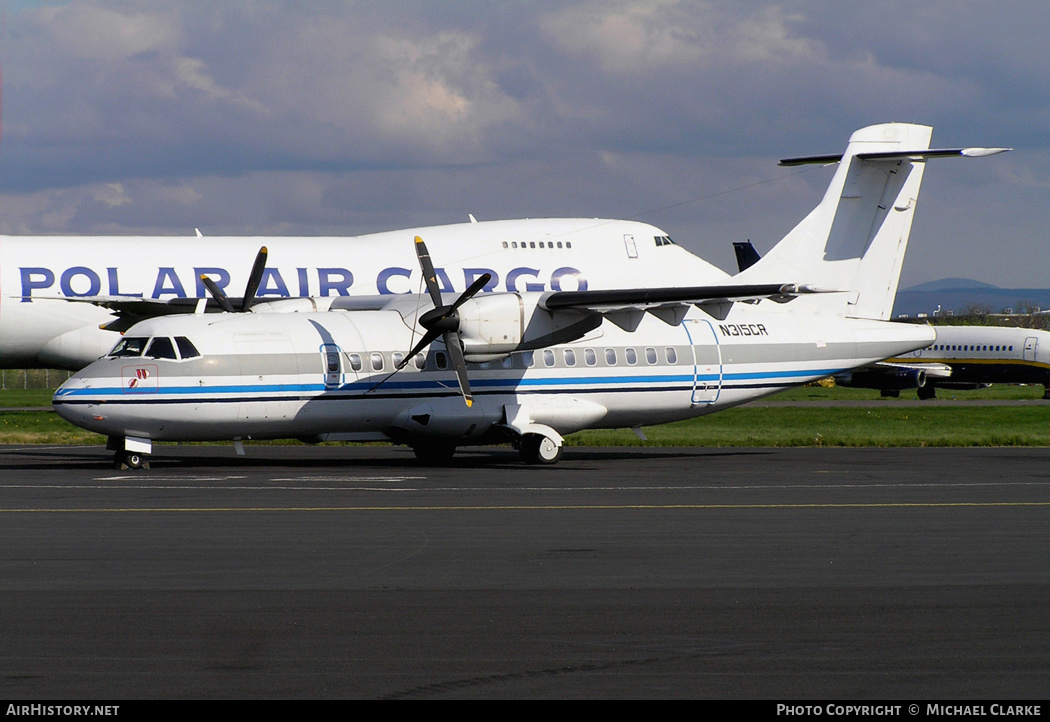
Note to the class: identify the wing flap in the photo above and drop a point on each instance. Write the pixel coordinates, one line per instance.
(607, 301)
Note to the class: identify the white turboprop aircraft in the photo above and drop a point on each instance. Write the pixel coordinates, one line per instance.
(530, 363)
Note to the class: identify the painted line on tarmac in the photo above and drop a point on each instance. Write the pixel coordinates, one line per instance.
(537, 507)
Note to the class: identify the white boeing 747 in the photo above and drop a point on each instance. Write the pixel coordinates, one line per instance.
(562, 325)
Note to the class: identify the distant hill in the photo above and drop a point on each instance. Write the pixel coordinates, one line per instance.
(957, 296)
(950, 283)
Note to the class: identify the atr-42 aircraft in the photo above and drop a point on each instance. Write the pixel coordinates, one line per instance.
(518, 357)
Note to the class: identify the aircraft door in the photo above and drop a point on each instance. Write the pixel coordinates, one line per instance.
(630, 245)
(332, 363)
(1030, 344)
(707, 360)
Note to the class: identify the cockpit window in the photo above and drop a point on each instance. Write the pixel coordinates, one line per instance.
(162, 347)
(186, 348)
(129, 346)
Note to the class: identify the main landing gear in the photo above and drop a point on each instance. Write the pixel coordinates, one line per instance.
(540, 449)
(534, 449)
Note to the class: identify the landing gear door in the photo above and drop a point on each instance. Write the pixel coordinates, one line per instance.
(707, 361)
(332, 363)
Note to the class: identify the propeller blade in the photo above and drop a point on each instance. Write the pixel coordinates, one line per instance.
(254, 280)
(469, 293)
(455, 351)
(443, 320)
(429, 274)
(427, 339)
(217, 294)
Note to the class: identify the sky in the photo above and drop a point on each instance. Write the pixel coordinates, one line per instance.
(342, 118)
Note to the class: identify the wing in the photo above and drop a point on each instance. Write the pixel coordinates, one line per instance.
(646, 298)
(625, 307)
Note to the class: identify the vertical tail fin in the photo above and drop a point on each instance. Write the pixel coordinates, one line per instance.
(856, 238)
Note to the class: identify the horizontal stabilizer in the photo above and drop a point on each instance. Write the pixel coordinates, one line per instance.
(914, 155)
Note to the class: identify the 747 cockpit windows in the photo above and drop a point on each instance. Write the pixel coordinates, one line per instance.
(159, 347)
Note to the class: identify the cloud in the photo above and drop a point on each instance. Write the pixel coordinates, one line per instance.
(345, 117)
(633, 37)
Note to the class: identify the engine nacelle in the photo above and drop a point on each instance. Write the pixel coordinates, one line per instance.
(492, 323)
(888, 379)
(496, 324)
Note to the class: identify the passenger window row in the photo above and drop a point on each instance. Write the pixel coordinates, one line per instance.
(967, 347)
(567, 358)
(537, 244)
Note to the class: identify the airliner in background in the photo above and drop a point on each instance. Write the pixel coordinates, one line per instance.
(118, 280)
(962, 358)
(618, 335)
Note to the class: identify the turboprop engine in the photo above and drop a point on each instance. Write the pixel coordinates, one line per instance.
(494, 325)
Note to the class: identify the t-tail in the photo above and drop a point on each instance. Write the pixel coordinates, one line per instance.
(855, 239)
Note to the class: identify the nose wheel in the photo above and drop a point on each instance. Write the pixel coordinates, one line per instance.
(132, 460)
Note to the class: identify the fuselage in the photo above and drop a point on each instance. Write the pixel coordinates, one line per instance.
(313, 375)
(988, 354)
(39, 329)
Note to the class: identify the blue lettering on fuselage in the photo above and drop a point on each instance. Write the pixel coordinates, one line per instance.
(81, 281)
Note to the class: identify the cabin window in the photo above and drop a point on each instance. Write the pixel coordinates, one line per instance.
(397, 358)
(650, 356)
(590, 357)
(570, 357)
(610, 356)
(129, 346)
(507, 362)
(332, 359)
(162, 347)
(355, 361)
(420, 361)
(186, 347)
(377, 361)
(528, 359)
(441, 360)
(548, 357)
(632, 356)
(671, 354)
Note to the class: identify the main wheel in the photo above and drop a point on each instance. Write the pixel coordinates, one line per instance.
(539, 449)
(926, 392)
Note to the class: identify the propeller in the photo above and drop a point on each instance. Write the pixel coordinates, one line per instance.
(443, 320)
(254, 279)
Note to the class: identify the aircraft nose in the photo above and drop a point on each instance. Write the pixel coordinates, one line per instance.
(71, 404)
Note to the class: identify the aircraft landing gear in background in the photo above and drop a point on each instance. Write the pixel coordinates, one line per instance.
(928, 391)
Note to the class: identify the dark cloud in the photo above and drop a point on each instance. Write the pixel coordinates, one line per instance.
(348, 117)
